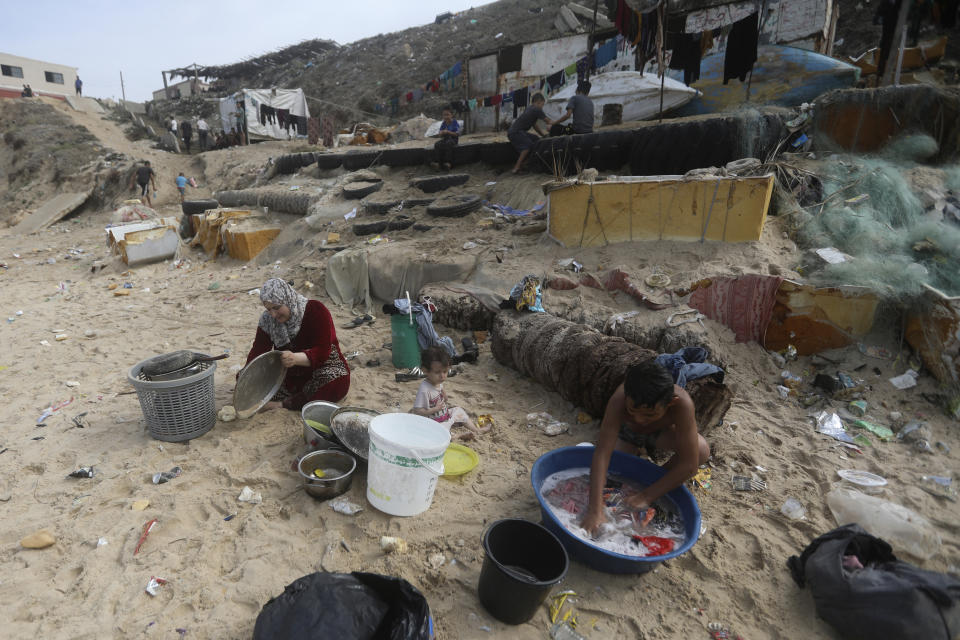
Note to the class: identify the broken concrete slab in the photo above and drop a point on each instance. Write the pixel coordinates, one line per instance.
(586, 12)
(566, 21)
(169, 142)
(52, 211)
(87, 105)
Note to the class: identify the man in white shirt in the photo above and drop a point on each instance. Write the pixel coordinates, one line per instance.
(202, 129)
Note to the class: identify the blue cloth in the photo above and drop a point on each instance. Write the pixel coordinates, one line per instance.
(688, 364)
(453, 126)
(426, 334)
(510, 211)
(181, 182)
(605, 53)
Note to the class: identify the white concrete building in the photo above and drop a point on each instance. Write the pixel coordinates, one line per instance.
(45, 78)
(188, 87)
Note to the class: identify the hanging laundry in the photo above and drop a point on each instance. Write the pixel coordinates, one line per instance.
(495, 100)
(472, 103)
(417, 95)
(605, 53)
(507, 97)
(648, 36)
(313, 130)
(741, 49)
(520, 97)
(326, 129)
(686, 50)
(456, 70)
(487, 101)
(584, 65)
(555, 81)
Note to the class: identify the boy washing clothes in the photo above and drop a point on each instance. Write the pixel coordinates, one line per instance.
(449, 137)
(518, 134)
(647, 411)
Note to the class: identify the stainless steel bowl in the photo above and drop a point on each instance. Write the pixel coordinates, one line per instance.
(318, 411)
(339, 467)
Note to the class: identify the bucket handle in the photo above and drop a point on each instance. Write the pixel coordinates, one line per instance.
(425, 465)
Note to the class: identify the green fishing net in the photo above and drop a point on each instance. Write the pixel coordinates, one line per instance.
(877, 210)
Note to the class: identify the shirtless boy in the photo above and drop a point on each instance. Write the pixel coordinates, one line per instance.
(647, 411)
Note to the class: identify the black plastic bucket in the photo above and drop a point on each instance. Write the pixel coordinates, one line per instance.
(522, 563)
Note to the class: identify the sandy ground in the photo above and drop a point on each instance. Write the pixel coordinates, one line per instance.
(220, 573)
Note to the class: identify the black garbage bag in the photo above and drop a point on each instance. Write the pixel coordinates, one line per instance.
(886, 598)
(346, 606)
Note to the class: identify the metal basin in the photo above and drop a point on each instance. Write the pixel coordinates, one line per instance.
(318, 411)
(339, 468)
(258, 382)
(351, 425)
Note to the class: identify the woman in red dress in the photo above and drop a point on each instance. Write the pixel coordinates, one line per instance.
(303, 329)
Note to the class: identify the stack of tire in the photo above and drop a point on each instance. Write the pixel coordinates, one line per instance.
(293, 162)
(190, 208)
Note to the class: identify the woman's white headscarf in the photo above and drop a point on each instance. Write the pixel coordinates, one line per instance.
(277, 291)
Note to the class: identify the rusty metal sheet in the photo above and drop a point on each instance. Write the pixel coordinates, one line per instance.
(814, 320)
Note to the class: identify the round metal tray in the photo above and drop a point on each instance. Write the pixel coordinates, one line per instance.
(258, 382)
(351, 433)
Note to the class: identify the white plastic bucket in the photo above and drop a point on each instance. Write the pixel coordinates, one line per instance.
(405, 460)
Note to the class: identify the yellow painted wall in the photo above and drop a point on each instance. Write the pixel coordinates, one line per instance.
(660, 208)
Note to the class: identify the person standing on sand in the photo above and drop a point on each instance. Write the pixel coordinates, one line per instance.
(302, 330)
(202, 129)
(181, 186)
(186, 130)
(79, 86)
(647, 411)
(144, 177)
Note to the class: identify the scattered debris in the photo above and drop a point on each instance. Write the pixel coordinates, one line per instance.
(247, 495)
(345, 506)
(38, 540)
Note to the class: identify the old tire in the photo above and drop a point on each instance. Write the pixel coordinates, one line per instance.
(466, 154)
(361, 159)
(379, 206)
(404, 157)
(369, 228)
(497, 153)
(400, 222)
(433, 184)
(410, 203)
(454, 206)
(357, 190)
(326, 161)
(190, 207)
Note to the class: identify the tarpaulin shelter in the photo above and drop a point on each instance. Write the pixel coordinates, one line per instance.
(266, 114)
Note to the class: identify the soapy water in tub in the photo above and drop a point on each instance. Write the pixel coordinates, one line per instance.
(567, 494)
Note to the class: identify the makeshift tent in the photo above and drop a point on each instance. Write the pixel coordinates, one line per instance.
(266, 114)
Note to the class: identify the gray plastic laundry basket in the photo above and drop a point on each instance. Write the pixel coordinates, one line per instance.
(177, 410)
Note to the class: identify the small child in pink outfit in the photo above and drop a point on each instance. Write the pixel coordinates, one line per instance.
(431, 399)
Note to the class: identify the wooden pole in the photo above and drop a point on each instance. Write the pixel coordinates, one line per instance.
(123, 91)
(888, 70)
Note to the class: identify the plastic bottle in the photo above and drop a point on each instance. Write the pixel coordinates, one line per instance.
(907, 531)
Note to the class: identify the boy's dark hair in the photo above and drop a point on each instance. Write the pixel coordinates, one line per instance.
(648, 384)
(448, 107)
(538, 97)
(434, 354)
(584, 87)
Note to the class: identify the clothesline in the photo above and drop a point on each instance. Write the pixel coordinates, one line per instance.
(603, 55)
